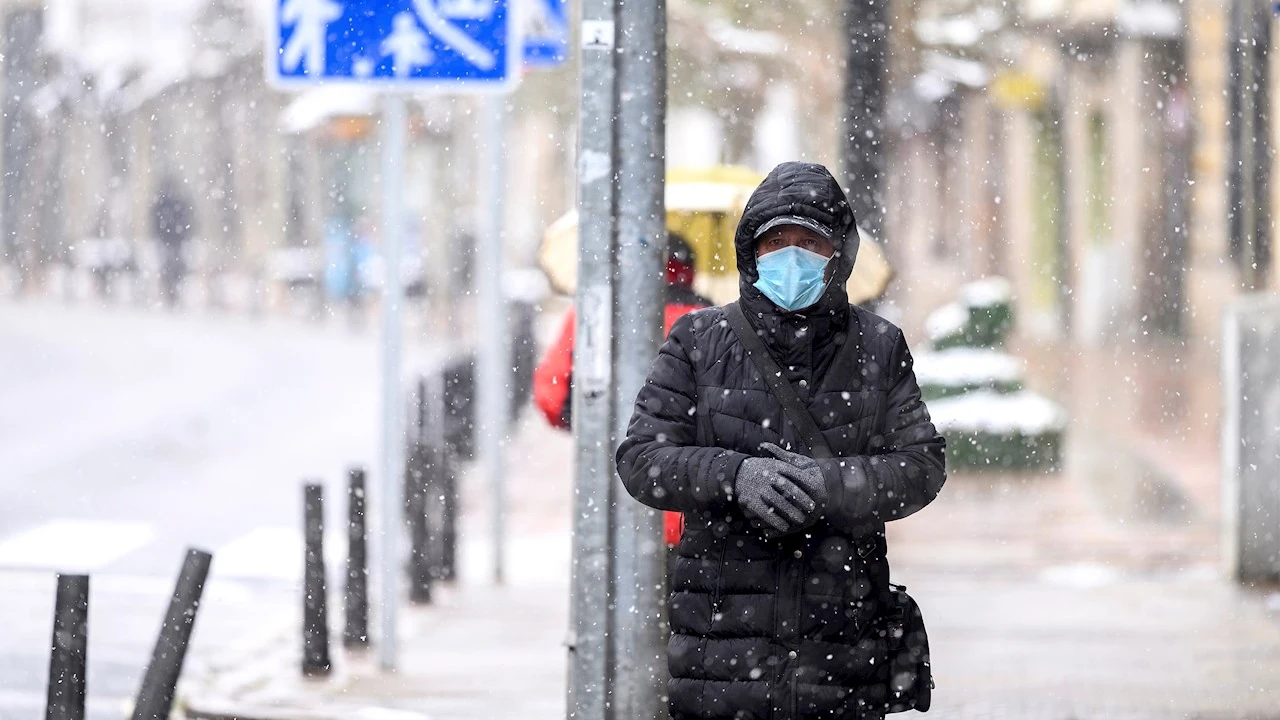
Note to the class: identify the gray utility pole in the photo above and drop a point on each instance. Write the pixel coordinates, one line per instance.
(1170, 315)
(1248, 174)
(639, 573)
(493, 389)
(589, 678)
(865, 78)
(1250, 444)
(393, 142)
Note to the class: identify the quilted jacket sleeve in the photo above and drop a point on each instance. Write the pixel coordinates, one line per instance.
(660, 461)
(906, 468)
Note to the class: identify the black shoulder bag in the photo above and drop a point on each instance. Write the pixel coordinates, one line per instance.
(910, 682)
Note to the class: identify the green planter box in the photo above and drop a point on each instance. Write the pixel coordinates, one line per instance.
(957, 371)
(990, 452)
(987, 430)
(982, 317)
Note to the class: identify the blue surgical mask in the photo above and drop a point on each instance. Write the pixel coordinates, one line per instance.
(793, 278)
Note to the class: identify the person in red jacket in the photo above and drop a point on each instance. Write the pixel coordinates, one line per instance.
(553, 378)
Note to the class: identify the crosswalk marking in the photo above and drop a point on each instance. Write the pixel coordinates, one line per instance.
(531, 559)
(73, 545)
(270, 553)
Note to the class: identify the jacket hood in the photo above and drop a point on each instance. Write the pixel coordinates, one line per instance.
(809, 191)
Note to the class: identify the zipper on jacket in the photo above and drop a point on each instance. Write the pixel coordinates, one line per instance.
(716, 599)
(791, 585)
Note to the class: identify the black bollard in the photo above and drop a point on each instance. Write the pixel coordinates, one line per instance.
(315, 606)
(155, 698)
(524, 356)
(356, 634)
(421, 412)
(70, 649)
(459, 406)
(448, 476)
(440, 481)
(416, 500)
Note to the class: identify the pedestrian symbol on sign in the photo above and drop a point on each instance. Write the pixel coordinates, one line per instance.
(408, 46)
(310, 20)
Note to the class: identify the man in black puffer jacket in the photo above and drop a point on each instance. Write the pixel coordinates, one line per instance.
(781, 574)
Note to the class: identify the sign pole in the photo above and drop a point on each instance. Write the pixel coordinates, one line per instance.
(393, 142)
(458, 46)
(493, 388)
(638, 636)
(590, 689)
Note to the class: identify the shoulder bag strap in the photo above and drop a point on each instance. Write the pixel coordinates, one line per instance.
(773, 376)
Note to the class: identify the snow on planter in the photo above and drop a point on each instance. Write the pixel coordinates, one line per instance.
(946, 321)
(998, 413)
(987, 292)
(989, 429)
(960, 370)
(981, 318)
(975, 392)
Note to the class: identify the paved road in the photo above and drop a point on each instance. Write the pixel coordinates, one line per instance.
(127, 436)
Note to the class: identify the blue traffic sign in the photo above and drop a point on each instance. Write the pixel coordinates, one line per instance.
(410, 43)
(546, 33)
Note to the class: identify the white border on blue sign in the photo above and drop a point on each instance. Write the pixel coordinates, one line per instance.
(514, 70)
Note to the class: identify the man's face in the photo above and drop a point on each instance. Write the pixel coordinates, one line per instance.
(784, 236)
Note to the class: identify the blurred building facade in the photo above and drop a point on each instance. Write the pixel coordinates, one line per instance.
(1076, 146)
(106, 99)
(1082, 149)
(1079, 148)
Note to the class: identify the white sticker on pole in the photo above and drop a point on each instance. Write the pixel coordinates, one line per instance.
(594, 166)
(597, 34)
(596, 339)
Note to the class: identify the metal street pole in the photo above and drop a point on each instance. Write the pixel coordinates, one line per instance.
(1249, 151)
(866, 74)
(393, 143)
(589, 679)
(639, 574)
(494, 387)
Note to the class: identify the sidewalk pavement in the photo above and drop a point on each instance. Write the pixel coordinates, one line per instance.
(1092, 593)
(1039, 608)
(479, 651)
(1097, 592)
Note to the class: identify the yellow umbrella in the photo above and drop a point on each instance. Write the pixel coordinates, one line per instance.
(704, 205)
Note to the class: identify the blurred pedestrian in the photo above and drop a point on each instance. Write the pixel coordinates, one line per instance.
(172, 222)
(787, 428)
(348, 247)
(553, 378)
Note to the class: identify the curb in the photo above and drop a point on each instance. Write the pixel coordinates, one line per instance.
(267, 686)
(219, 710)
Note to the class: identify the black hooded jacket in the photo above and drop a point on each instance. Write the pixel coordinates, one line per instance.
(782, 629)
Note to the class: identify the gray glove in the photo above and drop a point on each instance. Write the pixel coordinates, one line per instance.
(811, 478)
(770, 494)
